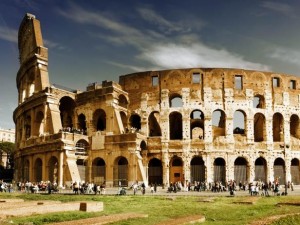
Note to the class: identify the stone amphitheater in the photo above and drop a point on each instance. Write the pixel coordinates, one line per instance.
(196, 124)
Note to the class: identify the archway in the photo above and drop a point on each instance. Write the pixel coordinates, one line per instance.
(121, 171)
(66, 108)
(135, 121)
(26, 170)
(98, 171)
(261, 170)
(155, 171)
(294, 126)
(220, 170)
(153, 124)
(81, 165)
(53, 169)
(176, 170)
(278, 129)
(38, 170)
(259, 127)
(240, 170)
(82, 123)
(197, 124)
(99, 120)
(197, 169)
(279, 170)
(175, 126)
(219, 123)
(295, 171)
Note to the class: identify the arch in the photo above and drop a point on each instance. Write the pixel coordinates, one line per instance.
(26, 169)
(81, 147)
(279, 170)
(175, 126)
(294, 126)
(135, 121)
(259, 101)
(220, 170)
(219, 123)
(81, 165)
(239, 122)
(28, 127)
(241, 172)
(175, 100)
(121, 171)
(176, 170)
(197, 124)
(259, 127)
(153, 124)
(53, 169)
(197, 170)
(39, 123)
(99, 120)
(98, 170)
(38, 170)
(278, 129)
(123, 101)
(155, 171)
(261, 170)
(82, 122)
(124, 120)
(295, 171)
(143, 145)
(66, 108)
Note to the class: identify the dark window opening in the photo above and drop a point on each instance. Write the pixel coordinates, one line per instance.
(293, 84)
(276, 82)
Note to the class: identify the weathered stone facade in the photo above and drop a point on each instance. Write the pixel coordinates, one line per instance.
(199, 124)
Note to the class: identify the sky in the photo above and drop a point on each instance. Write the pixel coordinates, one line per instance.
(92, 41)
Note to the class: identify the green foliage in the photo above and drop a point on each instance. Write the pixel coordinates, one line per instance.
(7, 147)
(221, 211)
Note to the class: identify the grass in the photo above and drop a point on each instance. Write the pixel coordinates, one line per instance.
(222, 211)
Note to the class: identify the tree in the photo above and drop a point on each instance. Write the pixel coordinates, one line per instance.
(9, 149)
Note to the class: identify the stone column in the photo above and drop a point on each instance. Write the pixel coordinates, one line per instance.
(60, 169)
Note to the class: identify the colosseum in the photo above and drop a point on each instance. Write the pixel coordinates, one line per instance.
(196, 124)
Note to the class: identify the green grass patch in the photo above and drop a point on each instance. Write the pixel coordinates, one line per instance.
(221, 211)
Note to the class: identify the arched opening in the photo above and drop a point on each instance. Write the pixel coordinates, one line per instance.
(175, 126)
(38, 170)
(124, 120)
(294, 126)
(155, 171)
(153, 124)
(143, 145)
(278, 129)
(259, 101)
(121, 172)
(123, 101)
(99, 120)
(81, 165)
(295, 171)
(176, 101)
(219, 123)
(98, 171)
(197, 170)
(176, 170)
(220, 170)
(81, 147)
(66, 108)
(28, 127)
(39, 123)
(239, 122)
(259, 127)
(197, 124)
(241, 170)
(82, 123)
(26, 171)
(261, 170)
(135, 121)
(53, 170)
(279, 170)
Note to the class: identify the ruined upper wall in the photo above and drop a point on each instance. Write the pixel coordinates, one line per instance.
(218, 79)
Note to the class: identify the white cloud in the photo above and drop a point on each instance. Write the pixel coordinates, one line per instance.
(286, 55)
(281, 8)
(8, 34)
(156, 49)
(196, 55)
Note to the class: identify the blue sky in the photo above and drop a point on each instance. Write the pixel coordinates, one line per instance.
(91, 41)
